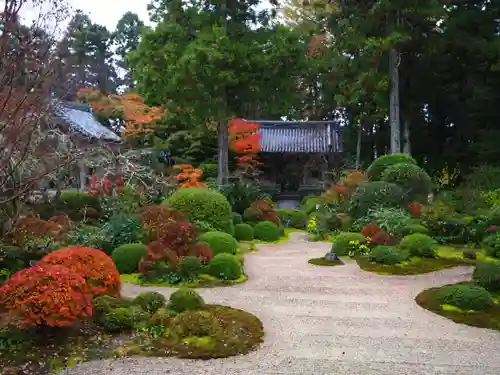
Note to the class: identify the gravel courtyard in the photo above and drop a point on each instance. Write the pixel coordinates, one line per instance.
(331, 320)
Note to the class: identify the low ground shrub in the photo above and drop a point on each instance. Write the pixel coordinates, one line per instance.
(104, 304)
(118, 319)
(189, 267)
(292, 218)
(373, 194)
(196, 324)
(267, 231)
(487, 275)
(469, 254)
(415, 182)
(466, 296)
(150, 301)
(127, 257)
(347, 242)
(388, 255)
(383, 238)
(419, 245)
(492, 245)
(225, 267)
(220, 242)
(243, 232)
(207, 205)
(185, 299)
(379, 165)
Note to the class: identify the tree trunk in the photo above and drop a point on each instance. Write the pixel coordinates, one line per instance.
(406, 137)
(223, 160)
(394, 101)
(358, 146)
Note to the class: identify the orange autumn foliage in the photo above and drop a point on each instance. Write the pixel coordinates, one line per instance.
(189, 177)
(50, 295)
(94, 265)
(244, 140)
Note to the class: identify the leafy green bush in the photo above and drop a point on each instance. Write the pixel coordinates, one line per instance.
(469, 254)
(237, 219)
(484, 178)
(375, 194)
(128, 256)
(243, 232)
(209, 170)
(420, 245)
(121, 229)
(138, 314)
(292, 218)
(225, 267)
(241, 195)
(346, 242)
(105, 303)
(162, 316)
(91, 236)
(413, 228)
(196, 324)
(266, 231)
(204, 227)
(220, 242)
(388, 255)
(416, 183)
(389, 219)
(379, 165)
(72, 203)
(487, 274)
(189, 267)
(492, 245)
(118, 319)
(466, 296)
(205, 205)
(313, 204)
(150, 301)
(184, 299)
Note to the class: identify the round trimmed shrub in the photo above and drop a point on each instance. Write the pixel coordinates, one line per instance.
(184, 299)
(373, 194)
(104, 304)
(118, 319)
(199, 204)
(127, 257)
(466, 296)
(266, 231)
(150, 301)
(413, 228)
(196, 323)
(220, 242)
(96, 267)
(243, 232)
(487, 274)
(419, 245)
(162, 316)
(189, 267)
(388, 255)
(341, 244)
(416, 183)
(379, 165)
(292, 218)
(237, 218)
(225, 267)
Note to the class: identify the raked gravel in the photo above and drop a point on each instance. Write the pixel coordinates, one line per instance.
(330, 320)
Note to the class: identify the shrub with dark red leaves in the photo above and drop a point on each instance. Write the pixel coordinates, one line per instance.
(94, 265)
(382, 238)
(415, 209)
(46, 295)
(261, 210)
(370, 230)
(154, 217)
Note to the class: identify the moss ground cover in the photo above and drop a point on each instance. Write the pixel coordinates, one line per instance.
(413, 266)
(325, 262)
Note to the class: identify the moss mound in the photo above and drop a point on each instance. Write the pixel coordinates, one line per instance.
(430, 300)
(413, 266)
(324, 262)
(267, 231)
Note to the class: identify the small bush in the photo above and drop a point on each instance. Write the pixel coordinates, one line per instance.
(209, 170)
(196, 323)
(204, 227)
(121, 229)
(466, 296)
(243, 232)
(413, 228)
(333, 222)
(341, 244)
(261, 210)
(237, 218)
(388, 255)
(370, 230)
(118, 319)
(373, 194)
(379, 165)
(312, 205)
(201, 250)
(383, 238)
(127, 257)
(487, 274)
(104, 304)
(469, 254)
(267, 231)
(150, 301)
(189, 267)
(225, 267)
(73, 203)
(207, 205)
(389, 219)
(416, 183)
(220, 242)
(419, 245)
(163, 316)
(184, 299)
(292, 218)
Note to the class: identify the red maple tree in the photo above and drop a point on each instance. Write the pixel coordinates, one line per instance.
(244, 140)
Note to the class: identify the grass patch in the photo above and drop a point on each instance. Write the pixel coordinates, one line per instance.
(457, 253)
(204, 281)
(324, 262)
(482, 319)
(414, 266)
(247, 247)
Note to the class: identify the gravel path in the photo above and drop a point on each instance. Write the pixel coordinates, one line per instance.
(331, 320)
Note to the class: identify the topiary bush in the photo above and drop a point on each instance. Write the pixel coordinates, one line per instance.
(220, 242)
(292, 218)
(487, 275)
(207, 205)
(94, 265)
(416, 183)
(419, 245)
(225, 267)
(379, 165)
(46, 295)
(118, 319)
(184, 299)
(388, 255)
(373, 194)
(466, 296)
(105, 303)
(261, 210)
(342, 243)
(243, 232)
(150, 301)
(266, 231)
(189, 267)
(127, 257)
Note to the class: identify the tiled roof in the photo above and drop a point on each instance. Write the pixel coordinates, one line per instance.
(300, 137)
(81, 119)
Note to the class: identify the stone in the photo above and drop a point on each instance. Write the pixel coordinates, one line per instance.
(331, 257)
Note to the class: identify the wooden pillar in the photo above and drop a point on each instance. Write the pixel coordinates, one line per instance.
(82, 170)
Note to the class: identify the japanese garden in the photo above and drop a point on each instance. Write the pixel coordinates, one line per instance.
(246, 187)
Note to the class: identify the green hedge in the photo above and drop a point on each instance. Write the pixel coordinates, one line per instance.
(388, 255)
(243, 232)
(128, 256)
(420, 245)
(204, 205)
(220, 242)
(292, 218)
(267, 231)
(466, 296)
(225, 267)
